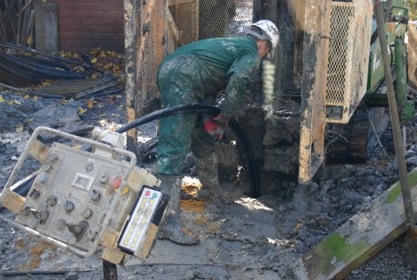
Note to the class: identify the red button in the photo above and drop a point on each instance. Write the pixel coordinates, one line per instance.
(115, 181)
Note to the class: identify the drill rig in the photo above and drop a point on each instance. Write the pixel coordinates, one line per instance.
(352, 79)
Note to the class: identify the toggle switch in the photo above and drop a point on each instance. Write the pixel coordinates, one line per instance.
(35, 194)
(95, 195)
(53, 157)
(87, 213)
(78, 230)
(69, 206)
(60, 224)
(42, 216)
(52, 200)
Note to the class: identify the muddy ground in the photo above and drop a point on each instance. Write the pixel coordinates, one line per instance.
(242, 238)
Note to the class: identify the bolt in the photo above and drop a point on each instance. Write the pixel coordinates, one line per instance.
(47, 167)
(53, 157)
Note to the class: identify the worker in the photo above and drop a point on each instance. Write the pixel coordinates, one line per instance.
(196, 73)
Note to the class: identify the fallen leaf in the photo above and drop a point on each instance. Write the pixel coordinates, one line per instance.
(26, 97)
(113, 127)
(90, 104)
(63, 101)
(29, 120)
(102, 115)
(35, 98)
(1, 99)
(29, 41)
(94, 60)
(78, 146)
(19, 128)
(104, 121)
(17, 102)
(10, 102)
(81, 111)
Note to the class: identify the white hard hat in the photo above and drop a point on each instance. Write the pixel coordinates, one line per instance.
(269, 32)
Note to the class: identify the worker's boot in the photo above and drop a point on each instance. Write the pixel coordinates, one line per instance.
(208, 174)
(172, 228)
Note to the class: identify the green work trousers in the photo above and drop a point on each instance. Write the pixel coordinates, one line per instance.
(180, 82)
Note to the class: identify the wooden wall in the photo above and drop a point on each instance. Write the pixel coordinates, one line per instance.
(87, 24)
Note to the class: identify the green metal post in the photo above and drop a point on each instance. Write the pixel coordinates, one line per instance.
(405, 108)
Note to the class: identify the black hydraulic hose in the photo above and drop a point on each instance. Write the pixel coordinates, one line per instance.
(210, 110)
(41, 72)
(41, 62)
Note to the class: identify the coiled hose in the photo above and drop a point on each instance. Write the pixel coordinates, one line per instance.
(175, 110)
(210, 110)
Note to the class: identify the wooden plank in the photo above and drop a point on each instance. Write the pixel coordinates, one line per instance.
(89, 1)
(28, 3)
(29, 31)
(94, 36)
(92, 44)
(6, 12)
(173, 27)
(160, 39)
(3, 33)
(91, 21)
(360, 238)
(90, 29)
(46, 26)
(19, 21)
(87, 46)
(412, 55)
(91, 6)
(90, 14)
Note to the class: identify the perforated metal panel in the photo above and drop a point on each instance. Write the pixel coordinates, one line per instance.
(182, 23)
(351, 24)
(224, 18)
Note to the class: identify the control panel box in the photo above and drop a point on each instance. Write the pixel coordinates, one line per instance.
(81, 199)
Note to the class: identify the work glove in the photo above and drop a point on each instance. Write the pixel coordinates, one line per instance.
(216, 126)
